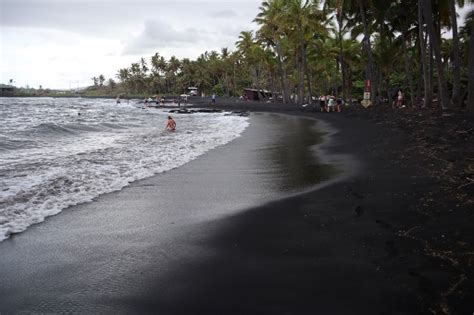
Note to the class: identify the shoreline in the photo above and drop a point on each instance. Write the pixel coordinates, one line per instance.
(352, 246)
(413, 200)
(116, 229)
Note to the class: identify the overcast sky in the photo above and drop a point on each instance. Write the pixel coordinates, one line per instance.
(64, 43)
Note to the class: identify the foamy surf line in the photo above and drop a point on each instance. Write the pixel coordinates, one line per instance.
(38, 181)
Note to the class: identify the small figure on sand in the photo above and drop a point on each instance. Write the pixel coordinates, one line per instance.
(339, 104)
(170, 124)
(213, 98)
(322, 103)
(399, 99)
(117, 101)
(331, 106)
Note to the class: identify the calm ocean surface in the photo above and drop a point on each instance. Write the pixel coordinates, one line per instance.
(55, 153)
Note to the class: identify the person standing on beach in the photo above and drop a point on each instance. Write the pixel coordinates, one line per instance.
(400, 99)
(322, 103)
(170, 124)
(213, 98)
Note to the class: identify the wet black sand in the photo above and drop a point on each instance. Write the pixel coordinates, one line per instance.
(207, 239)
(107, 256)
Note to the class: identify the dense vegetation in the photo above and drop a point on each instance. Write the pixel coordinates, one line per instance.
(305, 48)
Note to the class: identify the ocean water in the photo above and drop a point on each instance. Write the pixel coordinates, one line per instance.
(55, 153)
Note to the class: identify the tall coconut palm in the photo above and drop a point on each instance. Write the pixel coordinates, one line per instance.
(366, 42)
(401, 17)
(101, 79)
(172, 70)
(336, 9)
(456, 52)
(434, 41)
(248, 48)
(303, 19)
(155, 64)
(272, 32)
(427, 78)
(470, 30)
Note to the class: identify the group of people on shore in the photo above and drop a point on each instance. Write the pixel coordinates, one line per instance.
(329, 103)
(157, 100)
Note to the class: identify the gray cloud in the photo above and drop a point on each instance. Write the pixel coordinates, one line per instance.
(97, 19)
(160, 34)
(227, 13)
(108, 34)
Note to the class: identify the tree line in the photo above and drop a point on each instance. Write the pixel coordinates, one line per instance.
(306, 48)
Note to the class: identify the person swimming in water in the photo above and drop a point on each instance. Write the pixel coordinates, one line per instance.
(170, 124)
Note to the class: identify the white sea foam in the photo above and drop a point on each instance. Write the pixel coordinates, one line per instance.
(76, 158)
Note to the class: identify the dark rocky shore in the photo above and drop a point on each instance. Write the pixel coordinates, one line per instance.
(396, 238)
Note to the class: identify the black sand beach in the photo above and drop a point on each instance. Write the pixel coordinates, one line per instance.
(229, 233)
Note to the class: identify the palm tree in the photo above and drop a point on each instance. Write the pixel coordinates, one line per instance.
(469, 30)
(401, 16)
(272, 32)
(248, 48)
(95, 80)
(434, 40)
(427, 79)
(366, 42)
(172, 70)
(245, 42)
(456, 52)
(385, 51)
(112, 84)
(226, 66)
(123, 75)
(101, 80)
(304, 22)
(338, 7)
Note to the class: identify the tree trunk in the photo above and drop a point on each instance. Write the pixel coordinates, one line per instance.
(259, 73)
(380, 86)
(431, 68)
(310, 86)
(349, 83)
(443, 88)
(341, 57)
(456, 55)
(273, 86)
(306, 72)
(418, 86)
(301, 76)
(368, 49)
(389, 92)
(470, 99)
(408, 71)
(426, 63)
(282, 70)
(234, 78)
